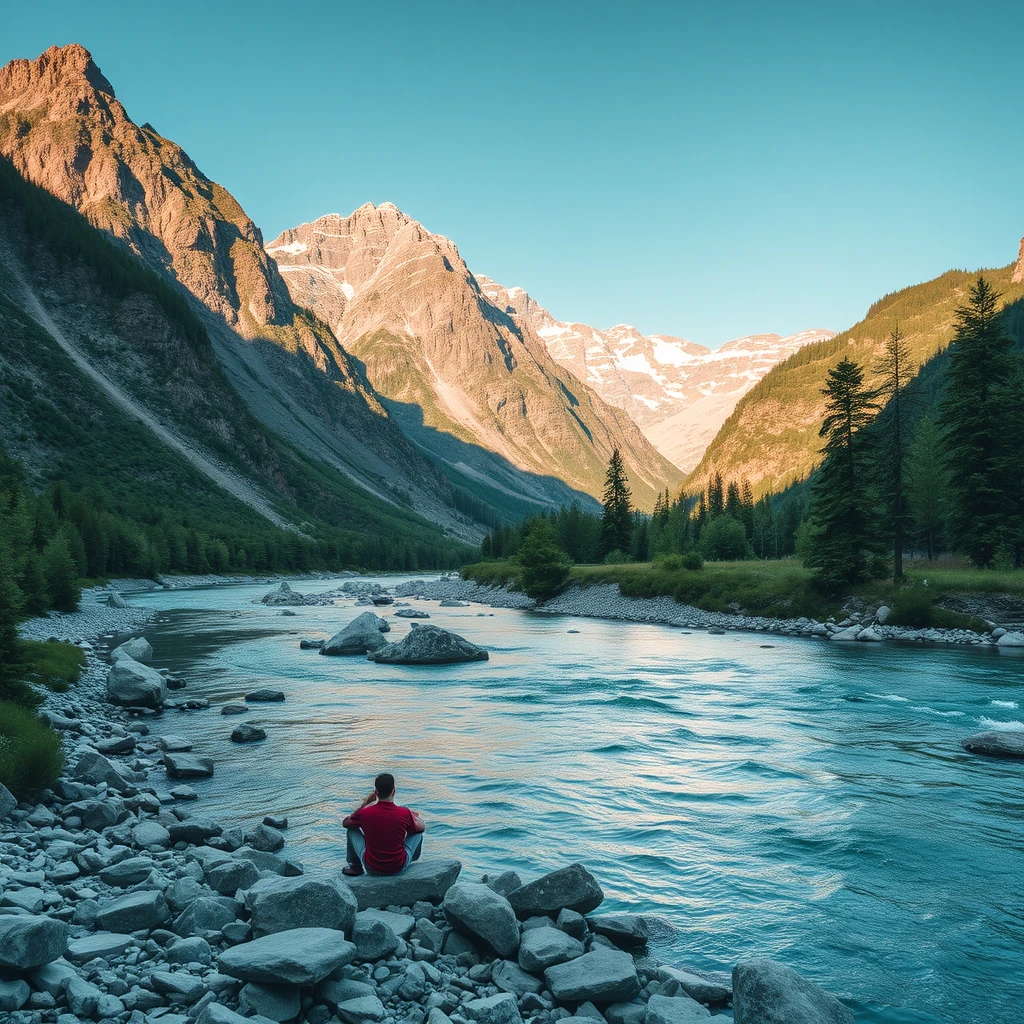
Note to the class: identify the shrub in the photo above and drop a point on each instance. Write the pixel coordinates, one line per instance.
(543, 566)
(724, 540)
(616, 557)
(692, 561)
(55, 665)
(31, 756)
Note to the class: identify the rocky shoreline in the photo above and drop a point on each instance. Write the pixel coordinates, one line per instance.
(123, 904)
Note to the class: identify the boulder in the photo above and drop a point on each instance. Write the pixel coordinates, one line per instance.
(311, 645)
(675, 1010)
(188, 951)
(281, 596)
(510, 977)
(360, 636)
(506, 882)
(274, 1002)
(116, 745)
(115, 600)
(151, 834)
(127, 872)
(8, 802)
(299, 956)
(187, 766)
(234, 709)
(194, 830)
(361, 1010)
(28, 941)
(427, 880)
(228, 876)
(96, 770)
(205, 916)
(138, 649)
(411, 613)
(499, 1009)
(996, 743)
(868, 636)
(1011, 640)
(103, 944)
(602, 976)
(245, 733)
(882, 615)
(711, 987)
(767, 992)
(572, 887)
(628, 931)
(264, 838)
(480, 913)
(131, 684)
(174, 744)
(135, 912)
(265, 696)
(850, 633)
(13, 995)
(217, 1013)
(374, 939)
(541, 948)
(281, 904)
(429, 645)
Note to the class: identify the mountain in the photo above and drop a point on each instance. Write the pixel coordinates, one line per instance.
(1018, 269)
(473, 385)
(62, 127)
(110, 385)
(678, 393)
(771, 437)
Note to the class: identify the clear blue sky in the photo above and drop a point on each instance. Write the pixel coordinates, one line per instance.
(703, 169)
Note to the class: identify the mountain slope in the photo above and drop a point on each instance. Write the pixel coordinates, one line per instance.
(677, 392)
(772, 439)
(109, 383)
(63, 128)
(460, 374)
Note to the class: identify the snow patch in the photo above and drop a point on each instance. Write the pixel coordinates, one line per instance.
(292, 248)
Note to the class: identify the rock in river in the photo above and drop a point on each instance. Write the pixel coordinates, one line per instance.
(265, 696)
(996, 743)
(187, 766)
(283, 596)
(426, 880)
(478, 912)
(602, 976)
(573, 887)
(301, 956)
(411, 613)
(429, 645)
(138, 649)
(248, 734)
(132, 684)
(767, 992)
(361, 635)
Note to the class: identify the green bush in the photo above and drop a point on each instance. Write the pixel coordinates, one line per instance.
(692, 561)
(724, 540)
(31, 756)
(543, 566)
(55, 665)
(616, 557)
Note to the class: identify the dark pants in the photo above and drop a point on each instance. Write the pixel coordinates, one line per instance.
(355, 848)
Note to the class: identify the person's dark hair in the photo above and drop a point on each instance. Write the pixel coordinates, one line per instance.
(384, 785)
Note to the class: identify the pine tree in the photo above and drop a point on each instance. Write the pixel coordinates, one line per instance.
(617, 518)
(747, 508)
(927, 486)
(543, 566)
(840, 519)
(11, 686)
(973, 422)
(896, 371)
(61, 576)
(716, 497)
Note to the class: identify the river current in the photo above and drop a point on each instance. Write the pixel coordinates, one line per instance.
(765, 796)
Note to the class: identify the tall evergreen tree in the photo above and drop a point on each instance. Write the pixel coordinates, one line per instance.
(617, 519)
(840, 519)
(927, 486)
(895, 370)
(973, 421)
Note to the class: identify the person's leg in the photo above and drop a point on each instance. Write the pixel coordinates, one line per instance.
(355, 847)
(413, 847)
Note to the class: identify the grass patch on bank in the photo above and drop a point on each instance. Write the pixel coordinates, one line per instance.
(31, 757)
(55, 665)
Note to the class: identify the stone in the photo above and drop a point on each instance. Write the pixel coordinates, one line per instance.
(411, 613)
(127, 872)
(510, 977)
(429, 645)
(275, 820)
(767, 992)
(541, 948)
(499, 1009)
(134, 912)
(181, 986)
(194, 830)
(506, 882)
(361, 1009)
(675, 1010)
(205, 917)
(401, 924)
(373, 940)
(83, 998)
(234, 709)
(192, 949)
(361, 636)
(184, 793)
(115, 600)
(480, 913)
(628, 931)
(187, 766)
(602, 976)
(634, 1012)
(339, 990)
(130, 684)
(99, 944)
(264, 838)
(573, 887)
(850, 633)
(264, 696)
(29, 899)
(422, 880)
(572, 923)
(217, 1013)
(138, 649)
(311, 645)
(246, 733)
(882, 615)
(7, 802)
(275, 1002)
(1011, 640)
(428, 935)
(151, 835)
(30, 941)
(116, 745)
(299, 956)
(868, 636)
(52, 977)
(174, 744)
(996, 743)
(315, 901)
(96, 770)
(13, 995)
(229, 876)
(711, 987)
(283, 596)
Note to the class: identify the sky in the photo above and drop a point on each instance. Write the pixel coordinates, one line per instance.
(708, 170)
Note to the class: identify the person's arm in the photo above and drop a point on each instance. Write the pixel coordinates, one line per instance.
(419, 825)
(350, 820)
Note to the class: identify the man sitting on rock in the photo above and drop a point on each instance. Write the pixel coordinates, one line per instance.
(383, 838)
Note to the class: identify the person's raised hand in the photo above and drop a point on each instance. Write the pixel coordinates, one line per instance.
(371, 798)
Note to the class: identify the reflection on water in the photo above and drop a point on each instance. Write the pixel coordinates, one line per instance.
(807, 801)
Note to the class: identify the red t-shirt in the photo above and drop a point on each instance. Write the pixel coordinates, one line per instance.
(385, 826)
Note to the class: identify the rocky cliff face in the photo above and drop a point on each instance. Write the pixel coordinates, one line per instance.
(677, 392)
(63, 128)
(1018, 269)
(460, 372)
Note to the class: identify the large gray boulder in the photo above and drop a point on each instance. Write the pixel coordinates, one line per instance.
(499, 1009)
(138, 649)
(767, 992)
(8, 802)
(95, 769)
(282, 596)
(996, 743)
(572, 887)
(428, 645)
(187, 766)
(361, 635)
(134, 912)
(1011, 640)
(479, 913)
(628, 931)
(541, 948)
(131, 684)
(675, 1010)
(411, 613)
(28, 941)
(601, 976)
(711, 987)
(280, 904)
(427, 880)
(301, 956)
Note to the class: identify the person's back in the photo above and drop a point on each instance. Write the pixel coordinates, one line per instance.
(383, 837)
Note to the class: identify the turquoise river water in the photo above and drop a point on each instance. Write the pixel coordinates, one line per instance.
(765, 796)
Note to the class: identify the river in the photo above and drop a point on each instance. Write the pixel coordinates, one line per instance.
(766, 796)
